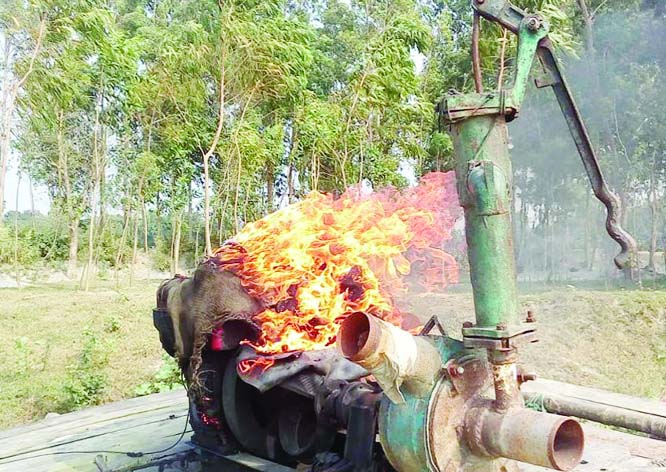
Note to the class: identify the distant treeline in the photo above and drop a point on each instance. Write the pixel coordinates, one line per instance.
(163, 126)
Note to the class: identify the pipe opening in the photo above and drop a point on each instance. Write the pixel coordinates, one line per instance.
(354, 333)
(568, 443)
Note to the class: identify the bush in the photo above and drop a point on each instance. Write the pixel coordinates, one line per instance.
(165, 379)
(27, 254)
(86, 381)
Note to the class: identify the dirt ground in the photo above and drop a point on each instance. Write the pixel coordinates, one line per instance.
(60, 344)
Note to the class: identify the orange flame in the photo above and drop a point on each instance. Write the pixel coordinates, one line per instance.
(321, 259)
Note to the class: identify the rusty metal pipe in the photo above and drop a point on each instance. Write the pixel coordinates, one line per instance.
(392, 355)
(525, 435)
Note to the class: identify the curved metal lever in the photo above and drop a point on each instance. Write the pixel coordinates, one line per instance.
(581, 138)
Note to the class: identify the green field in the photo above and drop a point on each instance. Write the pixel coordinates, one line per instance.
(66, 349)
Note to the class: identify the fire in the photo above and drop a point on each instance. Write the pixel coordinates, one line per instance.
(321, 259)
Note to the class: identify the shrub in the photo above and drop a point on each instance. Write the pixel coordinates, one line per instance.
(165, 379)
(86, 380)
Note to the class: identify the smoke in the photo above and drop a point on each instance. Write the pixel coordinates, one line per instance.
(619, 88)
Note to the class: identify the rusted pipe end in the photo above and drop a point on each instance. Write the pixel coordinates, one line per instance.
(359, 336)
(525, 435)
(392, 355)
(567, 442)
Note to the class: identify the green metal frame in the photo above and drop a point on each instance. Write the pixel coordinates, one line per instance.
(484, 177)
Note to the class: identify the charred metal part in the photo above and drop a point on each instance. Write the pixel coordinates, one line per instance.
(430, 324)
(297, 428)
(361, 427)
(251, 418)
(335, 400)
(392, 355)
(525, 435)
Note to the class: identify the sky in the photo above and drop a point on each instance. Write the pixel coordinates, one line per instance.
(40, 193)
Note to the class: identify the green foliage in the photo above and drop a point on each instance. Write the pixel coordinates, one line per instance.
(125, 99)
(24, 354)
(168, 377)
(86, 381)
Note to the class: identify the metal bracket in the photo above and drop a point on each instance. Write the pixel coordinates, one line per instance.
(500, 338)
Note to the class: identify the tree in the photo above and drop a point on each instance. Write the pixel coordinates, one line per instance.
(23, 27)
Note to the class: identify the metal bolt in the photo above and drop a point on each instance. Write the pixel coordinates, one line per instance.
(533, 23)
(501, 326)
(467, 324)
(530, 317)
(526, 376)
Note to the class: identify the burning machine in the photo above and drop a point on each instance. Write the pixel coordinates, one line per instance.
(437, 404)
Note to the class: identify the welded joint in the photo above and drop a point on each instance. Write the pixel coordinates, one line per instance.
(488, 186)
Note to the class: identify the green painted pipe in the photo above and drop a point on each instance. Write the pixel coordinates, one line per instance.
(484, 187)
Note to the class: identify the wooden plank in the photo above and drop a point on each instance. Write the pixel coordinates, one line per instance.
(99, 414)
(155, 422)
(70, 432)
(132, 426)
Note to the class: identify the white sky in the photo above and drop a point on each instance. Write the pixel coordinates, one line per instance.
(40, 193)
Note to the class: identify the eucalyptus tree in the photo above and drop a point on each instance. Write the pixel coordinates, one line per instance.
(55, 144)
(362, 117)
(22, 29)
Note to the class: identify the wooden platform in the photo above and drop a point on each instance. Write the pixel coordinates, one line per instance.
(71, 443)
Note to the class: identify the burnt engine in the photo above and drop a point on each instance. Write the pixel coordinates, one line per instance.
(314, 407)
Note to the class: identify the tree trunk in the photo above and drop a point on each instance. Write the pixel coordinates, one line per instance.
(32, 201)
(172, 267)
(8, 102)
(270, 186)
(5, 124)
(209, 153)
(16, 235)
(135, 243)
(588, 22)
(7, 111)
(586, 239)
(73, 224)
(176, 243)
(653, 217)
(121, 244)
(144, 216)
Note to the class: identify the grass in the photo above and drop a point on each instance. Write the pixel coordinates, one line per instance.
(608, 339)
(65, 349)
